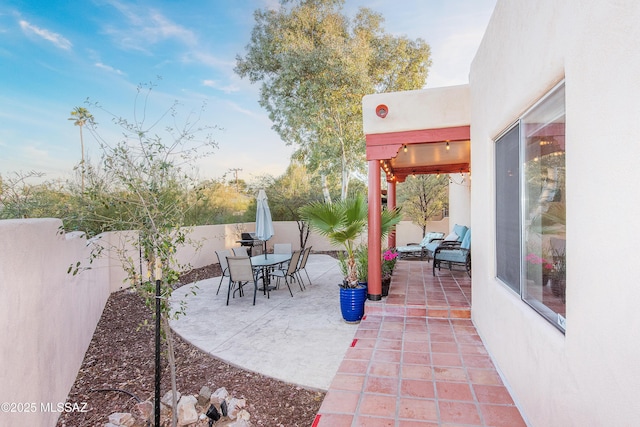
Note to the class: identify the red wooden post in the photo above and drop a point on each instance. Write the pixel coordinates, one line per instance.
(374, 238)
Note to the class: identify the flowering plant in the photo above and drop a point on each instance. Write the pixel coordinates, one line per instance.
(389, 259)
(534, 260)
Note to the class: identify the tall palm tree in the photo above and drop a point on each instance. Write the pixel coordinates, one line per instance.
(80, 117)
(342, 222)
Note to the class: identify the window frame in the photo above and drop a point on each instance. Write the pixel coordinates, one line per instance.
(524, 141)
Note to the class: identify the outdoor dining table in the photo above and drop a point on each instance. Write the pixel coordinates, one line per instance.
(264, 261)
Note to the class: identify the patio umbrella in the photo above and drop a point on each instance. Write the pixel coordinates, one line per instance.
(264, 224)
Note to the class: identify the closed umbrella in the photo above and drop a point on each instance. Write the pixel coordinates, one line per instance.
(264, 224)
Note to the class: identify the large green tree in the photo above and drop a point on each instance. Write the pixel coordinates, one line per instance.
(315, 65)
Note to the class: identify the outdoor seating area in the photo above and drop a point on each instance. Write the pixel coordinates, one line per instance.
(240, 270)
(414, 357)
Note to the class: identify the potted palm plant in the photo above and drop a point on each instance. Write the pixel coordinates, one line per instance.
(343, 223)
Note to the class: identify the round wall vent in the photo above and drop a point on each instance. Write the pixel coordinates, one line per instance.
(382, 111)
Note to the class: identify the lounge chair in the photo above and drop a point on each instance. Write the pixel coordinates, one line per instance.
(419, 249)
(454, 253)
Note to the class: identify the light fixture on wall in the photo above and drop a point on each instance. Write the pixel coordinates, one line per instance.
(448, 146)
(404, 148)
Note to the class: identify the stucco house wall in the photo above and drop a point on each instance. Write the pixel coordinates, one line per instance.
(588, 376)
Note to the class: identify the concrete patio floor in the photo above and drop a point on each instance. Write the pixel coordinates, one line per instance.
(300, 340)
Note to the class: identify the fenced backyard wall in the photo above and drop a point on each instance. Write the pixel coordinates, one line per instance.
(48, 316)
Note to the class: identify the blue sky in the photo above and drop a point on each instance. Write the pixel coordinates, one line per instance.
(56, 54)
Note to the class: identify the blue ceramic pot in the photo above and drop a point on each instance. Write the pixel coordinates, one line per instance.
(352, 303)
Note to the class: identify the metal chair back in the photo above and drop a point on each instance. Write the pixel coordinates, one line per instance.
(240, 251)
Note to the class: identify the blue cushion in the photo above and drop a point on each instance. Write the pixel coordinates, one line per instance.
(460, 230)
(430, 236)
(433, 246)
(466, 242)
(453, 255)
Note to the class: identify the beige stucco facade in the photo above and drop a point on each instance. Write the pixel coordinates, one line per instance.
(588, 376)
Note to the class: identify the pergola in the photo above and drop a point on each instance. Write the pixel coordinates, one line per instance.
(411, 133)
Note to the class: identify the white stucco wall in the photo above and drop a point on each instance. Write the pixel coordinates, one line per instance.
(460, 200)
(588, 377)
(47, 316)
(417, 109)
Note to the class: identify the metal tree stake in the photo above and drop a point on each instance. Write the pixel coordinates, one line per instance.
(158, 277)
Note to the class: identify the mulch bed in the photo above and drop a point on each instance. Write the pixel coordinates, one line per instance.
(120, 363)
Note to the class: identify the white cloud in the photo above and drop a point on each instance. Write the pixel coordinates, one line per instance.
(108, 68)
(147, 26)
(50, 36)
(216, 85)
(239, 109)
(210, 60)
(35, 153)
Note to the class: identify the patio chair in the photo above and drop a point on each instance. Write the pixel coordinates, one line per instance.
(282, 248)
(419, 249)
(290, 272)
(303, 264)
(456, 235)
(240, 251)
(224, 266)
(240, 273)
(454, 253)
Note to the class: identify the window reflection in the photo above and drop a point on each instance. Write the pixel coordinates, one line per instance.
(544, 219)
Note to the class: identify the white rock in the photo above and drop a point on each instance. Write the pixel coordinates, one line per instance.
(167, 399)
(123, 419)
(187, 413)
(219, 395)
(243, 415)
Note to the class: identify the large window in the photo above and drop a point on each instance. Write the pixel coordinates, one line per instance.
(530, 207)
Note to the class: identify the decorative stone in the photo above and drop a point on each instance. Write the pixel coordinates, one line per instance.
(234, 406)
(243, 415)
(204, 396)
(219, 395)
(167, 399)
(144, 410)
(123, 419)
(187, 413)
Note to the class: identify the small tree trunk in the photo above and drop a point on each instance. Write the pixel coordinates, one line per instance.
(171, 358)
(325, 189)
